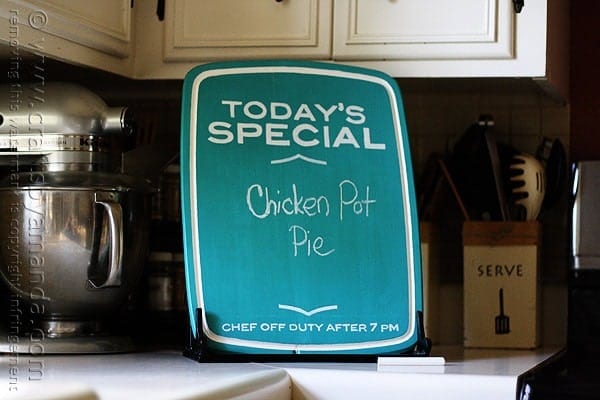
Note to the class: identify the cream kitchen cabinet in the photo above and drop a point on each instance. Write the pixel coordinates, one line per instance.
(98, 34)
(423, 30)
(426, 38)
(226, 29)
(194, 32)
(459, 38)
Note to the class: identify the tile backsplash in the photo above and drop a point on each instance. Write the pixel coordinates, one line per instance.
(438, 112)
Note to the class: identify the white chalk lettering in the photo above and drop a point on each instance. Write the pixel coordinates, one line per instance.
(262, 204)
(301, 241)
(349, 198)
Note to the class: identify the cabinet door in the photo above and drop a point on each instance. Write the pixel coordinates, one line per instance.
(104, 25)
(222, 29)
(423, 29)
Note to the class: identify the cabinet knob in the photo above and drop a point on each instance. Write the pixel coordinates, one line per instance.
(160, 9)
(518, 5)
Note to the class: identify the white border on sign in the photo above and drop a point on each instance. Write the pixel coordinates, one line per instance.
(299, 348)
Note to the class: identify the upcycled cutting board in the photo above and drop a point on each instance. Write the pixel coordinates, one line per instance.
(300, 225)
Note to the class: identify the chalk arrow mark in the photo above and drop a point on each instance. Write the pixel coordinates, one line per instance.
(307, 313)
(298, 157)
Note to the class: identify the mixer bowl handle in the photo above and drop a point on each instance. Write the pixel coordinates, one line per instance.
(115, 228)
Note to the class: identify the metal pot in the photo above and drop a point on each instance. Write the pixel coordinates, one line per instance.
(73, 252)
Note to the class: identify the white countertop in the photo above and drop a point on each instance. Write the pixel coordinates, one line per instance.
(168, 375)
(144, 376)
(467, 374)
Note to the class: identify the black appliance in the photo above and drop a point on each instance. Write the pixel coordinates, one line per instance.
(574, 373)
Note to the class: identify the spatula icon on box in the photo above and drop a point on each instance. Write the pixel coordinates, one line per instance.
(502, 320)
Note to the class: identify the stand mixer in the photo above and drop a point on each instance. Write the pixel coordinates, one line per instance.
(73, 226)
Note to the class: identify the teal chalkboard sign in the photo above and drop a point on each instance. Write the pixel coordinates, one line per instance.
(300, 228)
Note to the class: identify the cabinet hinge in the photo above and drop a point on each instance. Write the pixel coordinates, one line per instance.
(160, 9)
(518, 5)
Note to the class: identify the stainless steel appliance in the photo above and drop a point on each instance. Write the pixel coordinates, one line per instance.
(573, 373)
(586, 216)
(73, 226)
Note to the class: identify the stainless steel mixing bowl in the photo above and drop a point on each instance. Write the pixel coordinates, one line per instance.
(73, 253)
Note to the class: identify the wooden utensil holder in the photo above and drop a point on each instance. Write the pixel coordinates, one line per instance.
(501, 284)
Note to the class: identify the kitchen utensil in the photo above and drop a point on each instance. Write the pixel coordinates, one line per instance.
(454, 189)
(80, 241)
(473, 172)
(553, 157)
(427, 186)
(502, 320)
(496, 170)
(528, 184)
